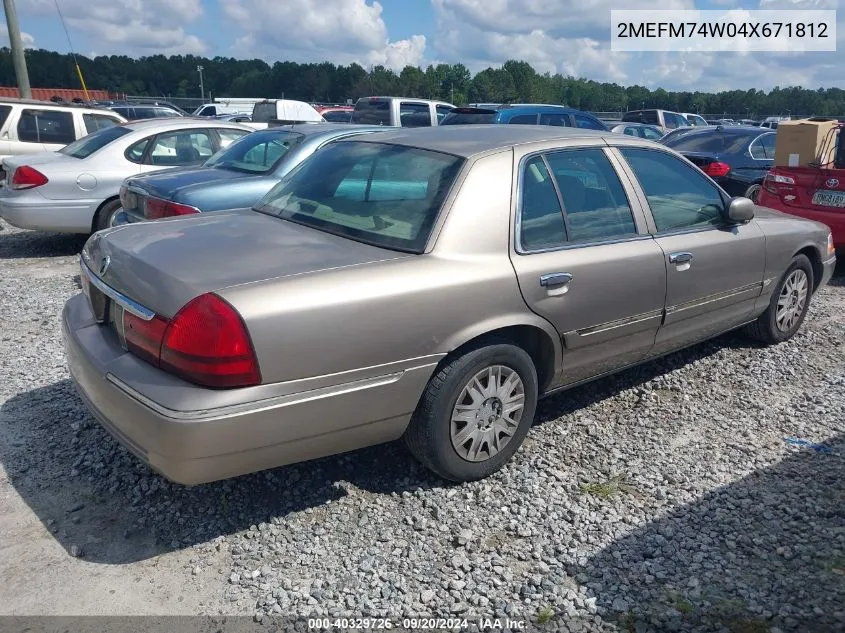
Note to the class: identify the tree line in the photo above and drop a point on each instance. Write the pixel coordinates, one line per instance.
(516, 81)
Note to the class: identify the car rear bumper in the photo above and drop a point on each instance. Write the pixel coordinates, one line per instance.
(827, 270)
(207, 444)
(31, 210)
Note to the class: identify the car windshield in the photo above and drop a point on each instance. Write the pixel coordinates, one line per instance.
(87, 145)
(380, 194)
(468, 117)
(256, 153)
(710, 142)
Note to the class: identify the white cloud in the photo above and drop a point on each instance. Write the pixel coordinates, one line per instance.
(573, 37)
(340, 31)
(26, 38)
(128, 27)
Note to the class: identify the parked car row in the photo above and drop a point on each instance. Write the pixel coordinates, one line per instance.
(429, 284)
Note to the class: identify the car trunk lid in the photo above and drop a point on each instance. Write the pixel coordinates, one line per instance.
(808, 187)
(136, 192)
(163, 265)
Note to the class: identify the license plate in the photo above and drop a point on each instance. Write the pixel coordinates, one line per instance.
(829, 198)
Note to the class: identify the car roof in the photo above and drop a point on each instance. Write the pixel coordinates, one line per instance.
(314, 129)
(470, 140)
(176, 123)
(66, 105)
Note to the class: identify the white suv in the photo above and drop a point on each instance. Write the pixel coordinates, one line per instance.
(28, 126)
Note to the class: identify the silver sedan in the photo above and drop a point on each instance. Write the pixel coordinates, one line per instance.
(76, 189)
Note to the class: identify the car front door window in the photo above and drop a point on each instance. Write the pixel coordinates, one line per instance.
(679, 196)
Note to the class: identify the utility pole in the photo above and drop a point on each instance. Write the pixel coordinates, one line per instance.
(202, 86)
(16, 44)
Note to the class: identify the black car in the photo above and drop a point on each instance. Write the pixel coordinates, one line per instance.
(736, 157)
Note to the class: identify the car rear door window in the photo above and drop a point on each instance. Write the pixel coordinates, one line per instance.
(763, 147)
(586, 123)
(594, 202)
(4, 114)
(541, 224)
(523, 119)
(414, 114)
(442, 111)
(560, 120)
(679, 195)
(94, 122)
(185, 147)
(229, 136)
(46, 126)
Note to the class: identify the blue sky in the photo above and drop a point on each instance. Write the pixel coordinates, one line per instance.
(567, 36)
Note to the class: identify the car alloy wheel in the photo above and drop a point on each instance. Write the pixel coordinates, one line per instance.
(791, 300)
(487, 413)
(753, 193)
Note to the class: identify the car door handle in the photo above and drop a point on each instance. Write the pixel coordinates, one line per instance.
(555, 279)
(680, 258)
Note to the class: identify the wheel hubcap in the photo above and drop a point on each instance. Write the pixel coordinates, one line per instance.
(792, 300)
(487, 413)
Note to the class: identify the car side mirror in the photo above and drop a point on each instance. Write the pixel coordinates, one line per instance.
(740, 210)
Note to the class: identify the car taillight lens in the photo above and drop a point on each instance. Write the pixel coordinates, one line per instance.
(25, 177)
(831, 247)
(207, 343)
(156, 208)
(773, 179)
(143, 338)
(717, 169)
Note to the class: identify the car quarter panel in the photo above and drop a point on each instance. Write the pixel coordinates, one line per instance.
(413, 307)
(786, 235)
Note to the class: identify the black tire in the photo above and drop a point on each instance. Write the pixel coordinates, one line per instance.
(105, 214)
(765, 328)
(428, 434)
(753, 192)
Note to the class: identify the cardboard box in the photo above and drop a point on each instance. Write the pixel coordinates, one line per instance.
(805, 143)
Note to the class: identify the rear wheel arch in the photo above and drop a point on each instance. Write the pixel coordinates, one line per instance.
(537, 342)
(96, 219)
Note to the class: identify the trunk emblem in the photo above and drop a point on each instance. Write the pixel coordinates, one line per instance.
(104, 265)
(832, 182)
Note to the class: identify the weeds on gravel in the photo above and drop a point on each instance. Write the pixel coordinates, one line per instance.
(545, 614)
(681, 604)
(607, 489)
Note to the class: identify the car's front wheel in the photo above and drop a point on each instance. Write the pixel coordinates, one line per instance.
(475, 412)
(788, 306)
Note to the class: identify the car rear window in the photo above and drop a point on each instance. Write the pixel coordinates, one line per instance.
(377, 193)
(264, 112)
(642, 116)
(711, 141)
(372, 112)
(94, 142)
(256, 153)
(468, 116)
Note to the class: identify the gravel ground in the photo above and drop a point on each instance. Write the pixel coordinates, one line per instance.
(663, 498)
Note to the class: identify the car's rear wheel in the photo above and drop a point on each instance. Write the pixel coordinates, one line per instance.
(788, 306)
(475, 412)
(106, 215)
(753, 193)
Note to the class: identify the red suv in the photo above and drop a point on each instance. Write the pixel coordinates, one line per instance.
(810, 192)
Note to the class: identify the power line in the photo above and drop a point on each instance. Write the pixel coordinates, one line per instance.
(72, 53)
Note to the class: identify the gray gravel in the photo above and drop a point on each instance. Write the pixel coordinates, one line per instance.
(664, 498)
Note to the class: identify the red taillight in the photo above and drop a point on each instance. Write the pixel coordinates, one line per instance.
(143, 338)
(25, 177)
(773, 179)
(716, 169)
(207, 343)
(156, 208)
